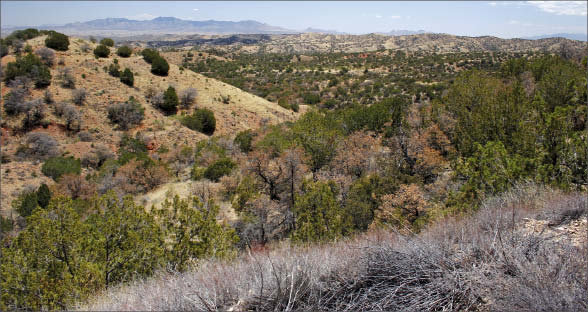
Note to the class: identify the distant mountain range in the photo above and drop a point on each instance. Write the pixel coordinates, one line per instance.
(122, 27)
(167, 25)
(403, 32)
(581, 37)
(171, 25)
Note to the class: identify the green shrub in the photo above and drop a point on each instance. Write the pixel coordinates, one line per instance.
(28, 201)
(30, 66)
(24, 34)
(159, 66)
(114, 70)
(127, 77)
(149, 55)
(3, 48)
(43, 195)
(102, 51)
(170, 101)
(283, 102)
(318, 216)
(124, 51)
(26, 204)
(57, 41)
(107, 42)
(55, 167)
(197, 173)
(219, 168)
(202, 120)
(245, 139)
(311, 98)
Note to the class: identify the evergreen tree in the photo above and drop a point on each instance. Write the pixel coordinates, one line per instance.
(159, 66)
(125, 240)
(127, 77)
(43, 195)
(318, 215)
(194, 233)
(170, 101)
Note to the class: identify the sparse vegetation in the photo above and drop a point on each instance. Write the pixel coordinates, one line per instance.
(41, 145)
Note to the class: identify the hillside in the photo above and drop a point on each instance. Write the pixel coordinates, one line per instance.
(244, 111)
(328, 43)
(524, 250)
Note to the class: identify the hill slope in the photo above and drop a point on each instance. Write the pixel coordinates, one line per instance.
(244, 110)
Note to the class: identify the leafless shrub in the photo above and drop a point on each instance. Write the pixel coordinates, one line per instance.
(73, 120)
(78, 96)
(34, 111)
(126, 114)
(85, 47)
(47, 56)
(67, 78)
(150, 92)
(59, 108)
(157, 99)
(486, 262)
(48, 97)
(85, 136)
(14, 101)
(21, 82)
(18, 45)
(40, 145)
(187, 97)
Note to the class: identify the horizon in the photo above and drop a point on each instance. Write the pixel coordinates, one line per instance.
(512, 19)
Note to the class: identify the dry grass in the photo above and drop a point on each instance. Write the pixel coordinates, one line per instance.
(485, 262)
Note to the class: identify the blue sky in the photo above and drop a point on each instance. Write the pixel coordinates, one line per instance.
(499, 18)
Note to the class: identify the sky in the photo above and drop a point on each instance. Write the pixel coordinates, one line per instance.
(505, 19)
